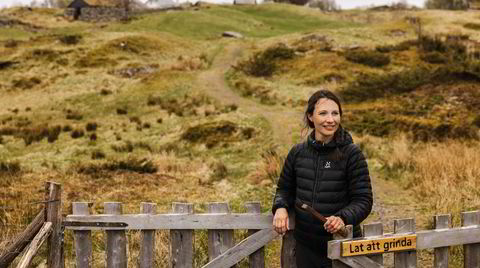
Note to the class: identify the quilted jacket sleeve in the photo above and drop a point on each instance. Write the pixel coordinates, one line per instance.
(286, 186)
(360, 188)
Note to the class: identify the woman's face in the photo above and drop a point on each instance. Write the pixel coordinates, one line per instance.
(326, 118)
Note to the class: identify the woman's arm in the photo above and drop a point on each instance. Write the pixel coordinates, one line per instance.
(285, 193)
(359, 188)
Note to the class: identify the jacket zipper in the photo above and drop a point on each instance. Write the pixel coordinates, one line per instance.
(316, 178)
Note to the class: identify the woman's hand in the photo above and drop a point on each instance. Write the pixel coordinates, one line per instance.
(280, 221)
(334, 224)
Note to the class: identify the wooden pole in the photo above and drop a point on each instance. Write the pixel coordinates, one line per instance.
(471, 251)
(21, 241)
(219, 241)
(83, 239)
(53, 214)
(181, 241)
(374, 229)
(287, 258)
(405, 259)
(257, 259)
(116, 240)
(147, 253)
(441, 254)
(35, 245)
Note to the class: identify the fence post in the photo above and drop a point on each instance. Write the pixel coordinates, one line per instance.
(374, 229)
(83, 239)
(405, 259)
(256, 259)
(147, 254)
(337, 263)
(116, 240)
(471, 251)
(181, 240)
(219, 241)
(53, 214)
(288, 255)
(441, 254)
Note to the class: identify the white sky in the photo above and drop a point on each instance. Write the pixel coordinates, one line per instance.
(345, 4)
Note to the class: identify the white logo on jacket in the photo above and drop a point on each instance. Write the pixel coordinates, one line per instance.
(327, 165)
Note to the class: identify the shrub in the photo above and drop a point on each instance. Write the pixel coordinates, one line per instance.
(264, 63)
(73, 115)
(122, 111)
(67, 128)
(77, 133)
(105, 92)
(136, 119)
(371, 86)
(93, 137)
(72, 39)
(434, 57)
(26, 83)
(126, 147)
(11, 43)
(1, 139)
(369, 58)
(98, 154)
(10, 168)
(53, 133)
(91, 126)
(473, 26)
(130, 164)
(398, 47)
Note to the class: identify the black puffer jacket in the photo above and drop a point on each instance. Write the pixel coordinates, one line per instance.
(339, 187)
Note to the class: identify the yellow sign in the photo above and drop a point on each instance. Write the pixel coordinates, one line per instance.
(380, 245)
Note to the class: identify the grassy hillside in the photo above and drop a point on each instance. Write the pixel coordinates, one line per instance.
(140, 110)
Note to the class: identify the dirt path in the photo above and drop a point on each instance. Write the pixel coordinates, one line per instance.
(284, 121)
(391, 201)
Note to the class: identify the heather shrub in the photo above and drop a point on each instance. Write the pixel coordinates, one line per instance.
(369, 58)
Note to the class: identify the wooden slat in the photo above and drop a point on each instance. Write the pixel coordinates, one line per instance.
(83, 239)
(405, 259)
(221, 240)
(340, 262)
(472, 251)
(359, 262)
(181, 241)
(175, 221)
(53, 214)
(374, 229)
(243, 249)
(441, 254)
(35, 245)
(147, 253)
(256, 259)
(116, 240)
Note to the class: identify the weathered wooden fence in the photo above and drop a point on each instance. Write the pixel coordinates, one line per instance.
(181, 222)
(222, 251)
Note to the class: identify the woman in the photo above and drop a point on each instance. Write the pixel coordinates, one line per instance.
(328, 173)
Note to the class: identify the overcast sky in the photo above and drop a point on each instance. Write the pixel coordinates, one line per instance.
(345, 4)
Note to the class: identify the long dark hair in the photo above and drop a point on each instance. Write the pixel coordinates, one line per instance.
(320, 94)
(312, 101)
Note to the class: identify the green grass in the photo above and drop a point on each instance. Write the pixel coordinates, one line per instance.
(15, 33)
(252, 21)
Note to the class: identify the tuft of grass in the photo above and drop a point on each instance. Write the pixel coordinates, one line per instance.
(10, 167)
(265, 63)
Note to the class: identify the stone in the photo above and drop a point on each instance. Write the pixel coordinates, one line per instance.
(232, 34)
